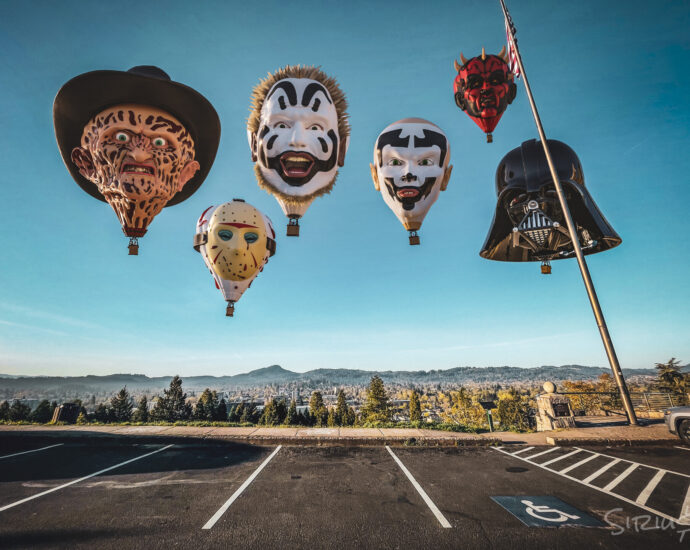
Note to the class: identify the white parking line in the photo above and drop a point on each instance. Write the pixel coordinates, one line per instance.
(591, 457)
(523, 450)
(600, 471)
(211, 522)
(629, 470)
(684, 448)
(644, 495)
(32, 451)
(684, 516)
(439, 516)
(552, 449)
(6, 507)
(566, 455)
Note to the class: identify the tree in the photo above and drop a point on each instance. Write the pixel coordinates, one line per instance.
(121, 406)
(142, 412)
(415, 407)
(268, 415)
(43, 412)
(102, 413)
(221, 413)
(249, 414)
(330, 420)
(317, 409)
(291, 416)
(172, 406)
(513, 410)
(376, 408)
(19, 411)
(669, 377)
(236, 413)
(4, 411)
(340, 415)
(206, 405)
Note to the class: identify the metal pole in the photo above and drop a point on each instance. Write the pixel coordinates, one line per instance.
(591, 293)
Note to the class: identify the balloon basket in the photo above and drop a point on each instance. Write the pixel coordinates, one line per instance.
(489, 138)
(546, 268)
(293, 227)
(133, 246)
(230, 310)
(414, 238)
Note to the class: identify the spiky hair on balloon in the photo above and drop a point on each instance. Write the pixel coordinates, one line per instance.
(502, 54)
(261, 90)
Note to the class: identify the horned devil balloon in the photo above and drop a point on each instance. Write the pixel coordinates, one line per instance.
(298, 133)
(529, 224)
(411, 168)
(484, 88)
(235, 240)
(136, 140)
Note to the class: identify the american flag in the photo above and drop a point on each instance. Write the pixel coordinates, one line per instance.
(512, 45)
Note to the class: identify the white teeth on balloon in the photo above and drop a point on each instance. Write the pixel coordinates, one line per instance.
(298, 159)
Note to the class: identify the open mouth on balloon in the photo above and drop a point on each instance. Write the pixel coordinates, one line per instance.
(487, 102)
(297, 165)
(407, 192)
(136, 168)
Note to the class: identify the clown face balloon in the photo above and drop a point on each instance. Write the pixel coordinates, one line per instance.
(484, 88)
(298, 134)
(235, 240)
(529, 224)
(411, 167)
(122, 147)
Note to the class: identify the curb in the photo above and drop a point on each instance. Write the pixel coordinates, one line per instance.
(609, 442)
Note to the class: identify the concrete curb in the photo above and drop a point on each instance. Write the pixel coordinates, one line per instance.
(575, 441)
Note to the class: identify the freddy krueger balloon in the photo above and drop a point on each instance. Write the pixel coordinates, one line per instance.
(298, 133)
(484, 88)
(529, 224)
(136, 140)
(235, 240)
(411, 167)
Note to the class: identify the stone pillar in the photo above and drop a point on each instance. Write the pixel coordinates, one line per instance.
(553, 410)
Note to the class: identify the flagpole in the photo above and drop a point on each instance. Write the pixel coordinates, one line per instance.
(593, 300)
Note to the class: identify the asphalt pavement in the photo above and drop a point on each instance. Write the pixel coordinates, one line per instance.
(146, 493)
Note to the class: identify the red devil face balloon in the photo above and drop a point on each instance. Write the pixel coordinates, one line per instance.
(484, 88)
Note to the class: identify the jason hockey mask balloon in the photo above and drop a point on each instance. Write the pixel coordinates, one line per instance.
(123, 147)
(235, 240)
(484, 88)
(411, 167)
(298, 134)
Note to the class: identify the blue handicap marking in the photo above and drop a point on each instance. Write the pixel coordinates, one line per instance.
(546, 511)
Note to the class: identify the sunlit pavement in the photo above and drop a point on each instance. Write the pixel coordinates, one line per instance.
(143, 493)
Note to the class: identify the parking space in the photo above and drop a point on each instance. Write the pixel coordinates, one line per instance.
(192, 493)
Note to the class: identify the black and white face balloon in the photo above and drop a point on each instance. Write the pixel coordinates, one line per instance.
(297, 147)
(411, 167)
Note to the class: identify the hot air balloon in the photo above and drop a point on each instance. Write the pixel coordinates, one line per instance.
(136, 140)
(411, 167)
(529, 225)
(484, 88)
(298, 133)
(235, 241)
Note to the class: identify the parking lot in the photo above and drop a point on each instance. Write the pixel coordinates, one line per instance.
(139, 493)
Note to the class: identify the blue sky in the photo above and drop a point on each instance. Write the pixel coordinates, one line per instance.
(610, 78)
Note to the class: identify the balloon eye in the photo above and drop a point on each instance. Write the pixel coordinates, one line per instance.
(395, 162)
(425, 162)
(122, 136)
(251, 237)
(225, 234)
(315, 127)
(159, 142)
(281, 125)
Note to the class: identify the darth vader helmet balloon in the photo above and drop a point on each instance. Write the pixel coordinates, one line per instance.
(529, 224)
(235, 240)
(484, 88)
(136, 140)
(411, 168)
(298, 133)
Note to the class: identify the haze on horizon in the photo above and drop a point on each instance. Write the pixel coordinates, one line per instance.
(350, 292)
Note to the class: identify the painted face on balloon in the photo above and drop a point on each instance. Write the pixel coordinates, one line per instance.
(483, 87)
(237, 241)
(139, 157)
(411, 167)
(297, 143)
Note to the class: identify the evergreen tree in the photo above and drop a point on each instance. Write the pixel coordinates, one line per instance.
(121, 406)
(43, 412)
(102, 414)
(317, 409)
(19, 411)
(376, 408)
(4, 411)
(331, 417)
(281, 411)
(142, 412)
(221, 412)
(249, 413)
(291, 416)
(172, 406)
(268, 415)
(669, 377)
(341, 409)
(415, 407)
(237, 412)
(351, 417)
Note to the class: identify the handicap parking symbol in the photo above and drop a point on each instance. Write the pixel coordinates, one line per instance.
(545, 511)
